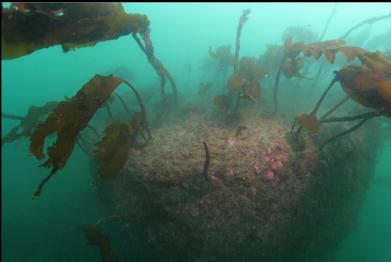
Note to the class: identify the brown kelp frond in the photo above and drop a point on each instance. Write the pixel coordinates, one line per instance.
(28, 122)
(68, 119)
(112, 152)
(328, 48)
(351, 52)
(237, 81)
(376, 61)
(246, 80)
(292, 67)
(251, 67)
(272, 57)
(35, 26)
(98, 238)
(251, 91)
(222, 54)
(368, 84)
(293, 49)
(309, 122)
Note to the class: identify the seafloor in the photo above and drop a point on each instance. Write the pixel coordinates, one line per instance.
(261, 200)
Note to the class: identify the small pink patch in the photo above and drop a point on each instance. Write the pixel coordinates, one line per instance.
(257, 168)
(231, 171)
(269, 176)
(251, 153)
(284, 157)
(215, 180)
(268, 151)
(277, 165)
(253, 191)
(231, 141)
(277, 145)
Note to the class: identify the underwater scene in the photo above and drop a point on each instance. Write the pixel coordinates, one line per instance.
(196, 132)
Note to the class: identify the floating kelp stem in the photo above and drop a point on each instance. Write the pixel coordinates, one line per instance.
(173, 85)
(277, 82)
(93, 129)
(242, 20)
(160, 70)
(316, 79)
(81, 146)
(328, 22)
(11, 116)
(142, 107)
(355, 127)
(335, 79)
(334, 107)
(366, 21)
(124, 105)
(236, 104)
(351, 118)
(207, 160)
(315, 110)
(151, 60)
(326, 27)
(37, 193)
(108, 109)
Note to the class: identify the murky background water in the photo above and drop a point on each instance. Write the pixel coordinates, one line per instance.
(45, 229)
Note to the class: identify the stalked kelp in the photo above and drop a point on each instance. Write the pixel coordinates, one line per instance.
(368, 84)
(213, 188)
(27, 27)
(67, 120)
(112, 152)
(72, 116)
(244, 82)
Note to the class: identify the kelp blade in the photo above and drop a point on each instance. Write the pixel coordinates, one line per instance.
(81, 25)
(68, 119)
(112, 151)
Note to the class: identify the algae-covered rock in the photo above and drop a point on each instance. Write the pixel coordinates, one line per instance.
(261, 200)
